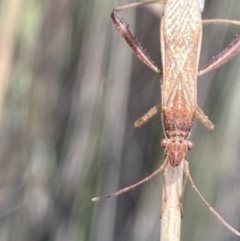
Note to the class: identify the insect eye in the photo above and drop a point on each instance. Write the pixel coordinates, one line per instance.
(163, 143)
(190, 145)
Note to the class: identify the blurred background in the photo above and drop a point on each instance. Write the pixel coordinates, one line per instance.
(70, 92)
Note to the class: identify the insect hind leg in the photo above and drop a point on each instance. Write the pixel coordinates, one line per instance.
(123, 29)
(231, 51)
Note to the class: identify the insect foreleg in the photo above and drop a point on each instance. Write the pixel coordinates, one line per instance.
(123, 29)
(227, 54)
(149, 115)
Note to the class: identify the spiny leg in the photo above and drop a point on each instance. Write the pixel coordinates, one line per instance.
(149, 115)
(126, 189)
(164, 189)
(222, 58)
(204, 119)
(227, 54)
(123, 29)
(180, 200)
(181, 197)
(215, 213)
(137, 4)
(221, 21)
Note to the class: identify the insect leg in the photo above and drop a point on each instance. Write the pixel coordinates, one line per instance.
(164, 199)
(123, 29)
(181, 197)
(221, 21)
(227, 54)
(149, 115)
(137, 4)
(204, 119)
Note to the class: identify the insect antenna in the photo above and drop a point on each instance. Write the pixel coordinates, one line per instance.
(214, 212)
(128, 188)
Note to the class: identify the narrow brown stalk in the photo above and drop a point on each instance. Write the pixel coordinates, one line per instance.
(171, 203)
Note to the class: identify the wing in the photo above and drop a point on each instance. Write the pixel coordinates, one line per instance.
(181, 37)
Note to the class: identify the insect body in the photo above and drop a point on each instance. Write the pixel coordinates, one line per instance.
(181, 38)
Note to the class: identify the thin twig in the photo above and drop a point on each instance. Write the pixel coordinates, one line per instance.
(171, 206)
